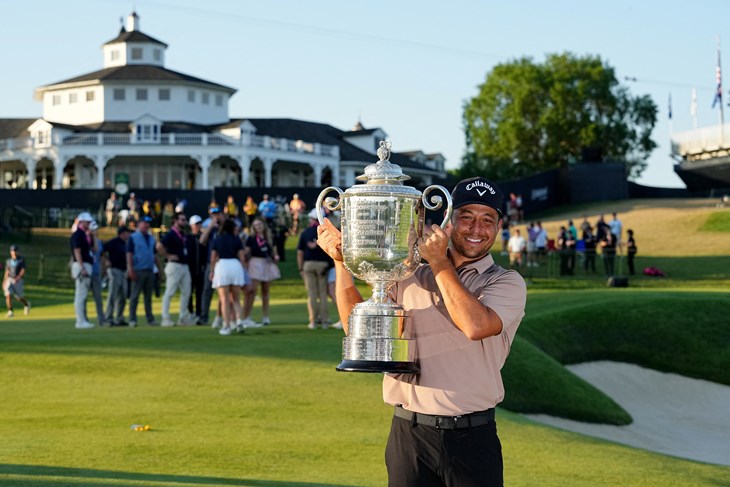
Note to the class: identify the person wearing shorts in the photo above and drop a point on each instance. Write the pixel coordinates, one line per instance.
(13, 281)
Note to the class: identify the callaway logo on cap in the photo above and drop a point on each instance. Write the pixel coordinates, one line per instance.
(478, 191)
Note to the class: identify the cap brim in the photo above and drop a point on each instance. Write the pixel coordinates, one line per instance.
(477, 202)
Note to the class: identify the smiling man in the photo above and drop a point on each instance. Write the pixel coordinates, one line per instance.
(464, 311)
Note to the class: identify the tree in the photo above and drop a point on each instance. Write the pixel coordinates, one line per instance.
(532, 117)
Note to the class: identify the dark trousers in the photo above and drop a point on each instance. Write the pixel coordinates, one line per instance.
(144, 284)
(630, 261)
(423, 456)
(608, 264)
(197, 283)
(207, 296)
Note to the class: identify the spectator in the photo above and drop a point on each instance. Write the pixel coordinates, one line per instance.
(314, 265)
(210, 233)
(168, 212)
(331, 291)
(520, 210)
(563, 238)
(231, 208)
(505, 233)
(113, 206)
(267, 210)
(584, 225)
(589, 264)
(532, 232)
(572, 244)
(601, 228)
(631, 250)
(13, 281)
(116, 271)
(541, 242)
(250, 208)
(617, 229)
(141, 266)
(516, 246)
(197, 262)
(81, 268)
(297, 207)
(133, 207)
(173, 247)
(262, 266)
(96, 272)
(608, 249)
(227, 256)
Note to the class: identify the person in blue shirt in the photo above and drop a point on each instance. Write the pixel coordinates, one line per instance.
(13, 281)
(267, 210)
(141, 266)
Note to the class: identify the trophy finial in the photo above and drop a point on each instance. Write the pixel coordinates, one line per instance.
(384, 150)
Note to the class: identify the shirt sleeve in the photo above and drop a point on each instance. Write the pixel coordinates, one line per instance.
(130, 245)
(506, 295)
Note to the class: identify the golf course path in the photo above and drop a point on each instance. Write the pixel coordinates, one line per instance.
(672, 414)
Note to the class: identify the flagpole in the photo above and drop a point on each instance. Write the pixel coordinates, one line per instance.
(693, 108)
(719, 94)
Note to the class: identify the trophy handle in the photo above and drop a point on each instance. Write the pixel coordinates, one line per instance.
(331, 203)
(436, 202)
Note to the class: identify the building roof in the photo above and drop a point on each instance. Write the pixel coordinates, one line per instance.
(324, 134)
(134, 36)
(11, 128)
(138, 72)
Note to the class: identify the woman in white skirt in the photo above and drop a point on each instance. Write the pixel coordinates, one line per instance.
(226, 259)
(262, 266)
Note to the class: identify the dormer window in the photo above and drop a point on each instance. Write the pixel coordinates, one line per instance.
(56, 100)
(115, 55)
(141, 94)
(164, 94)
(137, 53)
(158, 55)
(206, 98)
(146, 130)
(73, 97)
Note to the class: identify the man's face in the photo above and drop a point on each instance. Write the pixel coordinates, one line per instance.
(181, 221)
(475, 228)
(84, 225)
(124, 236)
(143, 226)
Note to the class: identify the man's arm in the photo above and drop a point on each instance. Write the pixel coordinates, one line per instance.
(473, 318)
(300, 260)
(206, 233)
(346, 294)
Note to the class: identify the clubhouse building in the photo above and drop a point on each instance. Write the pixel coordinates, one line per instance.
(155, 128)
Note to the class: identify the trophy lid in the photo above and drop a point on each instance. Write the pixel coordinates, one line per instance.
(383, 171)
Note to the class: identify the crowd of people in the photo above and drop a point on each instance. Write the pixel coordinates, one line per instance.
(604, 237)
(232, 252)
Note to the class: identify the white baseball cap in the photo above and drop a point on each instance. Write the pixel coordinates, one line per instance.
(313, 214)
(94, 226)
(195, 219)
(85, 217)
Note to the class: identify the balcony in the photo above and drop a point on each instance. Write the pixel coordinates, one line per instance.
(173, 139)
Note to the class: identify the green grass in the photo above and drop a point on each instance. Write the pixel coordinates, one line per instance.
(718, 221)
(262, 409)
(268, 409)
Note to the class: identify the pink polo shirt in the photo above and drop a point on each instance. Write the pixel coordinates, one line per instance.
(458, 375)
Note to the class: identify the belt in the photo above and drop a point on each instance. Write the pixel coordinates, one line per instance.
(479, 418)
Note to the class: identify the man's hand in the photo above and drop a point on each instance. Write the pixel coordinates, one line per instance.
(330, 240)
(132, 275)
(433, 244)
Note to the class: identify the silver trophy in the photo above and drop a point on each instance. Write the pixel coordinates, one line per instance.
(381, 222)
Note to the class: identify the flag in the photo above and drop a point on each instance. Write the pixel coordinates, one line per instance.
(670, 106)
(718, 76)
(693, 104)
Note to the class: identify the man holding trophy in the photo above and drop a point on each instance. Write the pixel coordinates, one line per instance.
(462, 312)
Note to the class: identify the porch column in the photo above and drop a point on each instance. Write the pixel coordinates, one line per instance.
(204, 161)
(317, 175)
(58, 165)
(244, 162)
(268, 166)
(100, 163)
(30, 164)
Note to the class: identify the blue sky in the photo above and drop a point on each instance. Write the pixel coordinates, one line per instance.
(406, 66)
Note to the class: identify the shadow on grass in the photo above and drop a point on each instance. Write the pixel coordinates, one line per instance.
(84, 477)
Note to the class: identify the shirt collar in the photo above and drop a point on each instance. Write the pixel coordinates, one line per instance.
(480, 265)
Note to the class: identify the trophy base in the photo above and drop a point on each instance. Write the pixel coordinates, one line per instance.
(378, 366)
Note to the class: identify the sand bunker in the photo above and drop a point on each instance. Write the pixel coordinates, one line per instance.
(672, 414)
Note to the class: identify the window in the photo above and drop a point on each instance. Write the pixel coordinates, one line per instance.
(206, 98)
(164, 94)
(73, 97)
(89, 96)
(136, 53)
(191, 96)
(115, 55)
(147, 133)
(219, 100)
(119, 94)
(158, 55)
(141, 94)
(56, 100)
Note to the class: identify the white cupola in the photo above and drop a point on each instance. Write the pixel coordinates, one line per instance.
(132, 46)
